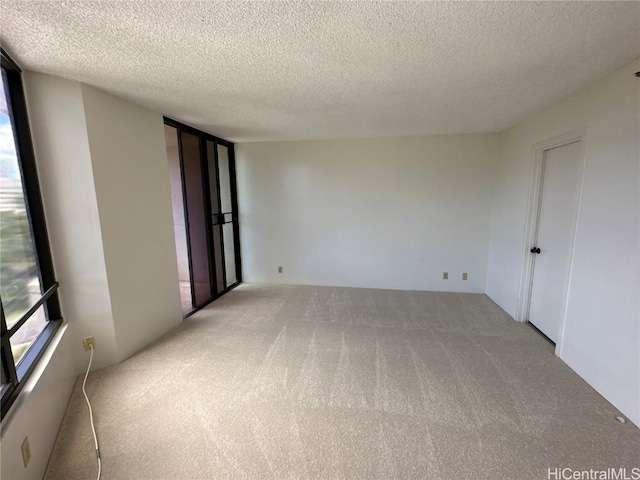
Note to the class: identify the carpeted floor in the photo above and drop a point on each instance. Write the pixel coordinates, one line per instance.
(274, 382)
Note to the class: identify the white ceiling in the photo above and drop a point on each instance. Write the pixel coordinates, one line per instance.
(250, 71)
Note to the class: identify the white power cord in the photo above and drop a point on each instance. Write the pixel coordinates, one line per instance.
(93, 428)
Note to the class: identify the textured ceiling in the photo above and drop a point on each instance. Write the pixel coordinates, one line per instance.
(251, 71)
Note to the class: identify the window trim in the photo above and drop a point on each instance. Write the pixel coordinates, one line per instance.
(17, 375)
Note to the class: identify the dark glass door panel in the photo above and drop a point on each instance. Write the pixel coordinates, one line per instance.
(218, 258)
(229, 253)
(179, 224)
(213, 178)
(204, 166)
(196, 218)
(225, 179)
(216, 217)
(228, 215)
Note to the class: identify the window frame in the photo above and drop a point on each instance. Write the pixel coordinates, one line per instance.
(17, 375)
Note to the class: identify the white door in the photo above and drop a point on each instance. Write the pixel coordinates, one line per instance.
(556, 222)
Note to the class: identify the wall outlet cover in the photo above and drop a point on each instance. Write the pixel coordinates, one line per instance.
(86, 342)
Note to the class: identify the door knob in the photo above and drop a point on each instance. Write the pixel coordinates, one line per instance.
(535, 250)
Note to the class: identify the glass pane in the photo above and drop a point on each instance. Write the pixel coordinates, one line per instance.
(225, 183)
(196, 217)
(229, 253)
(179, 226)
(20, 285)
(27, 334)
(213, 183)
(5, 378)
(217, 251)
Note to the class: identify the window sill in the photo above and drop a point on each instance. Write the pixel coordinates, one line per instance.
(20, 395)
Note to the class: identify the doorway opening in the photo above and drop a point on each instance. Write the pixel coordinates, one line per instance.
(204, 205)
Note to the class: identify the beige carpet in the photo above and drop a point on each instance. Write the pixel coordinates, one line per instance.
(275, 382)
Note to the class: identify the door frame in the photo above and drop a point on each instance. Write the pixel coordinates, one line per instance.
(533, 215)
(203, 138)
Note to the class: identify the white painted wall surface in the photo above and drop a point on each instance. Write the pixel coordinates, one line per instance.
(59, 131)
(38, 411)
(602, 321)
(58, 128)
(104, 180)
(131, 177)
(381, 213)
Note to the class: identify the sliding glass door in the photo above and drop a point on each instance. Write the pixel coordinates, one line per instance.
(224, 219)
(202, 171)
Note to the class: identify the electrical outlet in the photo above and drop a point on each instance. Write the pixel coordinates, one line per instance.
(445, 275)
(89, 341)
(465, 276)
(26, 451)
(279, 269)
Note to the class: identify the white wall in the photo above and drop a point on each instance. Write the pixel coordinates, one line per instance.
(602, 324)
(38, 410)
(58, 127)
(105, 186)
(61, 144)
(131, 177)
(382, 213)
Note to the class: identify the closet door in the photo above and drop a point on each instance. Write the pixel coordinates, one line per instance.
(224, 215)
(203, 195)
(554, 242)
(196, 215)
(179, 217)
(216, 223)
(229, 216)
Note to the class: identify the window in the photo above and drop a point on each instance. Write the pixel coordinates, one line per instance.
(28, 290)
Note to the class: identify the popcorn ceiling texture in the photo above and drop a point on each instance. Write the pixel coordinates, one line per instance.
(252, 71)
